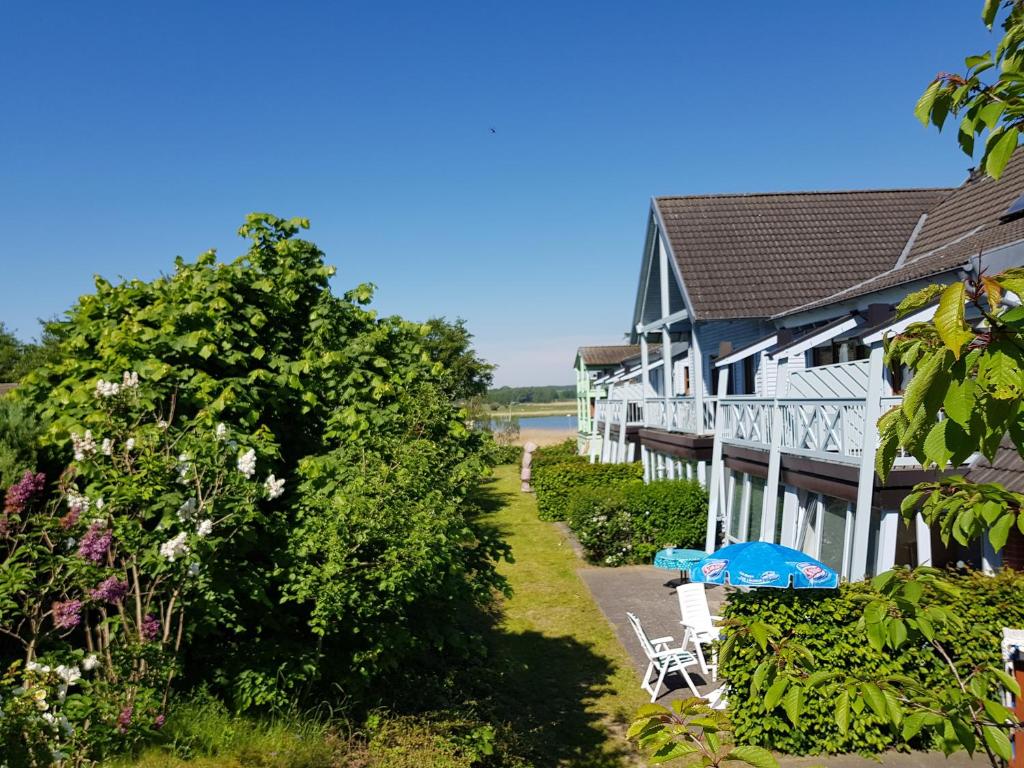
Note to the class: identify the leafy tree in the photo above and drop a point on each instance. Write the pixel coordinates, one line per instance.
(988, 96)
(354, 411)
(463, 375)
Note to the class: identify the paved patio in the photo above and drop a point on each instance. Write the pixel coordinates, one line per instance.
(649, 593)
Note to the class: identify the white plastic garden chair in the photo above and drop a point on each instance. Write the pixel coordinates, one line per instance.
(698, 624)
(662, 658)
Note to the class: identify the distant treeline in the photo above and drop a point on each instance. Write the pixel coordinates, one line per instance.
(549, 394)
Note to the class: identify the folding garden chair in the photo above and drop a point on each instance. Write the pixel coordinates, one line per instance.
(662, 659)
(698, 623)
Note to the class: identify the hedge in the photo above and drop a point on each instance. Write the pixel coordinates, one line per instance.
(825, 621)
(557, 483)
(560, 453)
(628, 524)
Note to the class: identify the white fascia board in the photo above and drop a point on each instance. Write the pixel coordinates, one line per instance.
(899, 326)
(645, 271)
(801, 346)
(661, 322)
(753, 349)
(672, 261)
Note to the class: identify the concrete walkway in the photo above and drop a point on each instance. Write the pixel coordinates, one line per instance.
(649, 593)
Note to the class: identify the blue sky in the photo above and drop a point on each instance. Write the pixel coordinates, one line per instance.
(133, 133)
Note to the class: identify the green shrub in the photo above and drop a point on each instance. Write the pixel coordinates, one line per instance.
(506, 454)
(668, 513)
(557, 483)
(629, 523)
(824, 622)
(559, 453)
(19, 440)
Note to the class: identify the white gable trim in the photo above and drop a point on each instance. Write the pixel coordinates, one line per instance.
(899, 326)
(747, 351)
(826, 334)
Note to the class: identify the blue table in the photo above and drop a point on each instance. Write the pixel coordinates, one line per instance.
(674, 558)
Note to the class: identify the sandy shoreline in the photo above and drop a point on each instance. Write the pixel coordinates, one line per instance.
(544, 436)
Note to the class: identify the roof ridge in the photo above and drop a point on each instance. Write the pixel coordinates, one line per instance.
(875, 190)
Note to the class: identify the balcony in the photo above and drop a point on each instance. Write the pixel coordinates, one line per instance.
(680, 414)
(677, 414)
(831, 429)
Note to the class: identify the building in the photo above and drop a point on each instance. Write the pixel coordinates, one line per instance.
(770, 310)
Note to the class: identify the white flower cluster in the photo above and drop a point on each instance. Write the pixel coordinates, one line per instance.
(129, 444)
(221, 432)
(83, 445)
(204, 529)
(273, 486)
(188, 510)
(174, 547)
(78, 500)
(247, 463)
(184, 466)
(129, 381)
(107, 447)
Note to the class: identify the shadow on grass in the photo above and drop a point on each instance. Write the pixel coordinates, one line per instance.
(540, 687)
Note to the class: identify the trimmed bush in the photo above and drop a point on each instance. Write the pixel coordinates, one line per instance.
(825, 622)
(556, 484)
(630, 523)
(560, 453)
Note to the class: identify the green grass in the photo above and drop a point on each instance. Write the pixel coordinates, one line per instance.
(577, 689)
(557, 408)
(553, 680)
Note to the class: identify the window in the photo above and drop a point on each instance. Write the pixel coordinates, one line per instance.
(826, 530)
(735, 503)
(754, 508)
(749, 367)
(780, 508)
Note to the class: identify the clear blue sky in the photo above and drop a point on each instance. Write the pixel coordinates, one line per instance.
(131, 134)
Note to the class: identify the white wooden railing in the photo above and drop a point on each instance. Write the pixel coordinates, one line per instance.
(615, 410)
(680, 414)
(824, 428)
(746, 420)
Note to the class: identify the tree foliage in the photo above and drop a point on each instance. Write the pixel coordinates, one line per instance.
(988, 96)
(372, 556)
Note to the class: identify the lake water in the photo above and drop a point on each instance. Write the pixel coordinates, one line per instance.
(560, 423)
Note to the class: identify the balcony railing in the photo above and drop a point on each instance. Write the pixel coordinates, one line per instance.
(614, 410)
(824, 428)
(680, 414)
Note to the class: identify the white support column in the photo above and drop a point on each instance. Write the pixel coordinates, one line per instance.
(771, 491)
(644, 457)
(924, 541)
(607, 441)
(888, 529)
(645, 373)
(702, 473)
(790, 516)
(717, 469)
(621, 457)
(697, 376)
(866, 475)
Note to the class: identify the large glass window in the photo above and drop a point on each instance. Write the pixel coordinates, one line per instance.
(832, 551)
(756, 506)
(780, 508)
(735, 503)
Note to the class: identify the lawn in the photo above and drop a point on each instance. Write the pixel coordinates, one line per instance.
(577, 687)
(555, 676)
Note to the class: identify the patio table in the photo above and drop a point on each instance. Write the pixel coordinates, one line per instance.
(675, 558)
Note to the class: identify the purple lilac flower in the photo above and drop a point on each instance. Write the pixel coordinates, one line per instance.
(95, 542)
(21, 493)
(110, 590)
(159, 721)
(68, 614)
(150, 627)
(124, 719)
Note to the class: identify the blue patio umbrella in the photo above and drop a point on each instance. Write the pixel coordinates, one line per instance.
(676, 559)
(760, 564)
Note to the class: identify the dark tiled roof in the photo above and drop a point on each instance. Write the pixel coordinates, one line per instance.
(758, 255)
(611, 355)
(966, 223)
(1007, 469)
